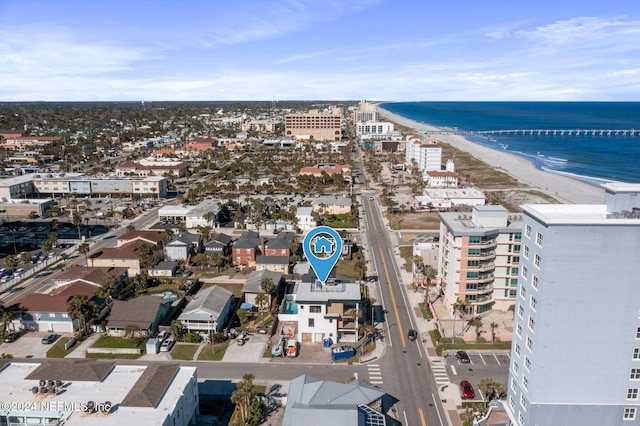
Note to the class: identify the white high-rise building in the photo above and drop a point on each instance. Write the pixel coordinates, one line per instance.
(428, 156)
(575, 357)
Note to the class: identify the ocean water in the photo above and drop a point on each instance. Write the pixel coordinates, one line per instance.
(592, 157)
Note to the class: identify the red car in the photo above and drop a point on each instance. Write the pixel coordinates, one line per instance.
(467, 390)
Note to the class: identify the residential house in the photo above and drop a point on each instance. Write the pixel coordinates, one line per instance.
(208, 312)
(182, 246)
(273, 263)
(219, 243)
(322, 311)
(347, 243)
(313, 402)
(245, 248)
(166, 268)
(94, 276)
(441, 179)
(277, 245)
(253, 286)
(125, 256)
(144, 313)
(306, 218)
(152, 238)
(332, 204)
(49, 311)
(328, 169)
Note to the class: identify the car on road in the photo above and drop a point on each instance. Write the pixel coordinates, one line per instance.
(467, 390)
(412, 334)
(49, 338)
(167, 345)
(463, 357)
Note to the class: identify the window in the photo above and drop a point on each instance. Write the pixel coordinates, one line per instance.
(520, 311)
(525, 251)
(539, 239)
(519, 330)
(515, 259)
(512, 403)
(535, 282)
(514, 271)
(636, 353)
(473, 275)
(635, 374)
(527, 363)
(315, 309)
(532, 324)
(523, 401)
(475, 240)
(523, 292)
(529, 343)
(515, 368)
(538, 261)
(517, 349)
(525, 382)
(533, 302)
(632, 393)
(312, 322)
(638, 333)
(521, 419)
(525, 272)
(629, 413)
(514, 384)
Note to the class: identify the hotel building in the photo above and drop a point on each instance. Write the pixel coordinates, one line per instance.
(428, 156)
(575, 357)
(320, 126)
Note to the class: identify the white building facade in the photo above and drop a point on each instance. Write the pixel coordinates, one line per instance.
(428, 156)
(575, 357)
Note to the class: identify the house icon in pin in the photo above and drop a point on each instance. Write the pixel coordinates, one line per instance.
(323, 244)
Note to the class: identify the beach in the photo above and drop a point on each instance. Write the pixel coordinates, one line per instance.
(563, 188)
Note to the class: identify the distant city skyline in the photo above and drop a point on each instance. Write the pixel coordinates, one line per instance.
(72, 50)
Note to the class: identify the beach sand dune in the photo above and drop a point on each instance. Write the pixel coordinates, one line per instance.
(563, 188)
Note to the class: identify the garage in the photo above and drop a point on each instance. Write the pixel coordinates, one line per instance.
(307, 337)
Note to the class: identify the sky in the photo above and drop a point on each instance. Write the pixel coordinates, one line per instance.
(378, 50)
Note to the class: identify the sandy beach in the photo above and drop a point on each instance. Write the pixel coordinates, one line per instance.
(563, 188)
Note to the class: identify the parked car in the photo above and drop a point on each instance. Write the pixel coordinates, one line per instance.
(276, 350)
(467, 390)
(12, 337)
(167, 345)
(49, 338)
(162, 336)
(412, 334)
(463, 357)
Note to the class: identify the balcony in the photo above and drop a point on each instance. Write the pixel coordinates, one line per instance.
(483, 267)
(483, 299)
(484, 244)
(480, 290)
(487, 255)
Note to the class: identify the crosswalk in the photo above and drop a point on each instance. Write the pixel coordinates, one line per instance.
(375, 375)
(439, 372)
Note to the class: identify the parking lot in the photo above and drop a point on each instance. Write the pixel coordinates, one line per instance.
(483, 365)
(29, 345)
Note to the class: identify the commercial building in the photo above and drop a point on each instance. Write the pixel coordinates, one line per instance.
(575, 357)
(320, 126)
(427, 156)
(89, 392)
(478, 258)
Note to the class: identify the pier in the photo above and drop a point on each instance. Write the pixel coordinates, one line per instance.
(559, 132)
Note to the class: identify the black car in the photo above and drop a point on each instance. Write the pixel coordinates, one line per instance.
(12, 337)
(412, 334)
(463, 357)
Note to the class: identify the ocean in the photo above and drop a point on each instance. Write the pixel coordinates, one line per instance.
(591, 157)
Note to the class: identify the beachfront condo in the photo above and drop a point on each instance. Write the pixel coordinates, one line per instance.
(575, 357)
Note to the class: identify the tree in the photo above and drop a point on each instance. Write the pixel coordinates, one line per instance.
(360, 266)
(25, 257)
(64, 256)
(130, 227)
(6, 316)
(261, 301)
(267, 285)
(77, 221)
(243, 396)
(430, 273)
(477, 324)
(76, 308)
(176, 328)
(108, 288)
(55, 224)
(11, 261)
(493, 326)
(459, 306)
(84, 249)
(147, 257)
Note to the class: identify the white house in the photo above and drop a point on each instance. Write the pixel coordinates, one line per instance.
(441, 179)
(306, 218)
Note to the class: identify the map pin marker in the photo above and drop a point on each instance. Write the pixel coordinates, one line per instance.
(322, 246)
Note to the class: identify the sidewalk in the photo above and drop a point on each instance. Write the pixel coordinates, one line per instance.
(81, 350)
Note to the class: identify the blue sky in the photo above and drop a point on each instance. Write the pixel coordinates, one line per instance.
(412, 50)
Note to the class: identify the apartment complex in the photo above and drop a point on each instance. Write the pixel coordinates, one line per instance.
(320, 126)
(479, 258)
(427, 156)
(575, 357)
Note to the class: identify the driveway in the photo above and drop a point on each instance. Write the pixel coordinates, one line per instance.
(29, 345)
(251, 351)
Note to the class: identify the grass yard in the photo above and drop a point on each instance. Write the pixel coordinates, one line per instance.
(207, 353)
(184, 351)
(422, 220)
(406, 252)
(114, 356)
(236, 289)
(120, 342)
(58, 351)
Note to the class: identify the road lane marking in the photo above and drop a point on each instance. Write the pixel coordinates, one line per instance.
(453, 370)
(482, 359)
(435, 404)
(424, 423)
(393, 300)
(497, 360)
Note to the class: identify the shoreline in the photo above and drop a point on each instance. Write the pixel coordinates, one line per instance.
(565, 189)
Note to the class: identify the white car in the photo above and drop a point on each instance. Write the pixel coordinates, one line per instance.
(167, 345)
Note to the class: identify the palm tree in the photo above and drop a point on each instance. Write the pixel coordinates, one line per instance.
(25, 257)
(77, 221)
(76, 308)
(267, 285)
(64, 256)
(107, 288)
(493, 326)
(176, 328)
(360, 266)
(84, 249)
(55, 224)
(477, 324)
(459, 306)
(430, 273)
(11, 261)
(6, 316)
(261, 301)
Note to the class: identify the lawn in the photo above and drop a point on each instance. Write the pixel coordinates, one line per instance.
(208, 355)
(58, 351)
(406, 252)
(236, 289)
(114, 356)
(344, 268)
(120, 342)
(184, 351)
